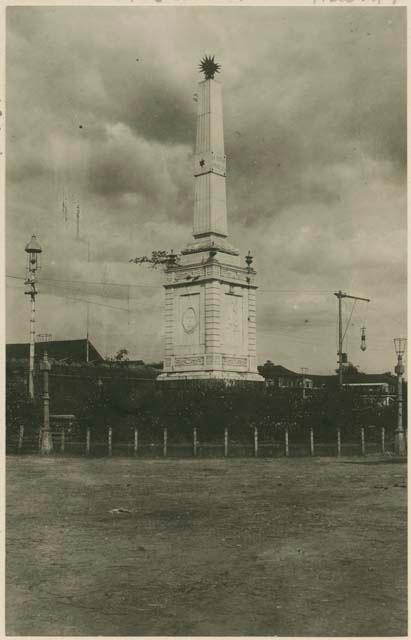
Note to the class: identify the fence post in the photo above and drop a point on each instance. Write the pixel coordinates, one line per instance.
(63, 439)
(362, 441)
(165, 442)
(286, 448)
(383, 440)
(110, 441)
(88, 441)
(338, 442)
(21, 436)
(255, 442)
(195, 441)
(225, 442)
(135, 441)
(311, 441)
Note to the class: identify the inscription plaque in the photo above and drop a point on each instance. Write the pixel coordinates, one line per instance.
(189, 361)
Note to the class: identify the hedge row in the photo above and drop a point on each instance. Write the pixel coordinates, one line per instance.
(211, 406)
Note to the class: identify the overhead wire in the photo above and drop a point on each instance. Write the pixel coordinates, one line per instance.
(114, 284)
(349, 319)
(98, 304)
(138, 285)
(311, 291)
(153, 285)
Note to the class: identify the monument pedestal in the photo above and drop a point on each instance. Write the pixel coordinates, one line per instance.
(227, 376)
(210, 330)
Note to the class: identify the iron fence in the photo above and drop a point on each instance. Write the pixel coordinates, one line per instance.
(274, 444)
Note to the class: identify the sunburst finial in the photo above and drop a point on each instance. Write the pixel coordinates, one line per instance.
(209, 67)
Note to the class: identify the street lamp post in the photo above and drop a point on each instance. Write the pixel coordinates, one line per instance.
(33, 251)
(46, 442)
(399, 442)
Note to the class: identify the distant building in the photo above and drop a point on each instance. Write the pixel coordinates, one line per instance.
(372, 384)
(127, 363)
(59, 350)
(278, 376)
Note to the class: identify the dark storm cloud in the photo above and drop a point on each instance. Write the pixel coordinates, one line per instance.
(151, 105)
(123, 164)
(302, 107)
(342, 98)
(116, 168)
(31, 167)
(162, 116)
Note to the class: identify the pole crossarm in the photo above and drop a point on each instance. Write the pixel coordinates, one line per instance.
(339, 294)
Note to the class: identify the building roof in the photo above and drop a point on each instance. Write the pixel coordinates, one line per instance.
(271, 371)
(128, 363)
(369, 378)
(69, 350)
(354, 378)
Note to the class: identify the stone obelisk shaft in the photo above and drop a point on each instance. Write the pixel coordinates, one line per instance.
(210, 207)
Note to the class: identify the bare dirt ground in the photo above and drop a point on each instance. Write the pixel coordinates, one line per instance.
(206, 547)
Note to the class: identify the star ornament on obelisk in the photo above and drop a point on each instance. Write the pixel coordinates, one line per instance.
(209, 67)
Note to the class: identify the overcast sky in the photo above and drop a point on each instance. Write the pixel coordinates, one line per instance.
(100, 111)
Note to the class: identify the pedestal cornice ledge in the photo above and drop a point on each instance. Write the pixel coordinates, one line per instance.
(217, 244)
(233, 281)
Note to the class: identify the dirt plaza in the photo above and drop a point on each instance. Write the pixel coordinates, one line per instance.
(304, 546)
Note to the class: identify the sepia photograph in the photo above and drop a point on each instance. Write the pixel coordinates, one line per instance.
(205, 319)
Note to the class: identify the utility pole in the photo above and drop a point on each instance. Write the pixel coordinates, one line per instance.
(64, 206)
(399, 444)
(33, 251)
(88, 311)
(87, 338)
(303, 372)
(343, 356)
(78, 221)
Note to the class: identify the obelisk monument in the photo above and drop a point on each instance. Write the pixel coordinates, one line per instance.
(210, 299)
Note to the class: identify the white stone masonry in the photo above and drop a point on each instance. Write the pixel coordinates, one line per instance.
(210, 301)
